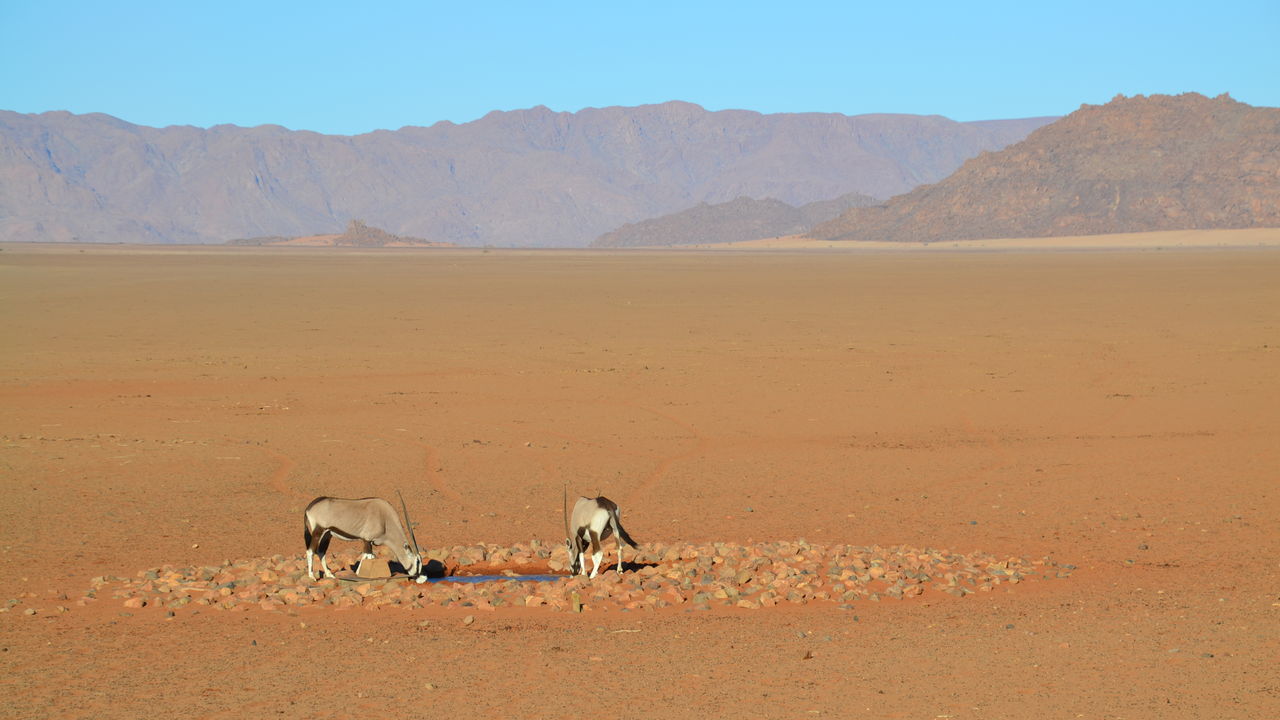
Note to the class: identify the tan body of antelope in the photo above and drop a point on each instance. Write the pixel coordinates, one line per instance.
(370, 520)
(593, 520)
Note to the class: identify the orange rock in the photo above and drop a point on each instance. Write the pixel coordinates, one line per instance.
(373, 568)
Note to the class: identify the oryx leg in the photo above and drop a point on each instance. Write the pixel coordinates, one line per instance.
(368, 551)
(617, 537)
(319, 543)
(323, 551)
(597, 553)
(580, 548)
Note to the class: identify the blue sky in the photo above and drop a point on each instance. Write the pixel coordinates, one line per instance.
(349, 68)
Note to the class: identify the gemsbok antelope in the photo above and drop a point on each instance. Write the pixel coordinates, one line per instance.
(370, 520)
(593, 520)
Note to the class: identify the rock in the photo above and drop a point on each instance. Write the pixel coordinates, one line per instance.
(373, 568)
(722, 573)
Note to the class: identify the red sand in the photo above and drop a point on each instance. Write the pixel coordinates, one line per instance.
(1116, 411)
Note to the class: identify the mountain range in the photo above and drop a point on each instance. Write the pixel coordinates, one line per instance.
(525, 178)
(1135, 164)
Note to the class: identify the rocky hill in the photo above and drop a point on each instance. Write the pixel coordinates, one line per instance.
(1135, 164)
(523, 178)
(357, 234)
(739, 219)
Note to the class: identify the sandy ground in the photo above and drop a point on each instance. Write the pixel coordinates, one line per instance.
(1116, 411)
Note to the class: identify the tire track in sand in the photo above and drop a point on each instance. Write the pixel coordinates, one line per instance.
(664, 464)
(281, 474)
(435, 475)
(1001, 455)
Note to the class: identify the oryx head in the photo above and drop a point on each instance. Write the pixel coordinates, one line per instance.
(407, 552)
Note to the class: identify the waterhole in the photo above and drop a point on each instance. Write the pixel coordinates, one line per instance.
(495, 578)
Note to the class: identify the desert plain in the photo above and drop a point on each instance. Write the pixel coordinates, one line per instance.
(1110, 411)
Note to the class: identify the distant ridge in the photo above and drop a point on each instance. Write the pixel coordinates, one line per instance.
(357, 234)
(739, 219)
(524, 178)
(1135, 164)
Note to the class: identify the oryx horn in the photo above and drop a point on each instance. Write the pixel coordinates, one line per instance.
(567, 532)
(408, 525)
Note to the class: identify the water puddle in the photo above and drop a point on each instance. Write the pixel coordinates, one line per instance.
(495, 578)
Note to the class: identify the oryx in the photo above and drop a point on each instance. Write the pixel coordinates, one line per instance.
(593, 520)
(371, 520)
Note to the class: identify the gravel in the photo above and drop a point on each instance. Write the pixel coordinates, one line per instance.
(726, 575)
